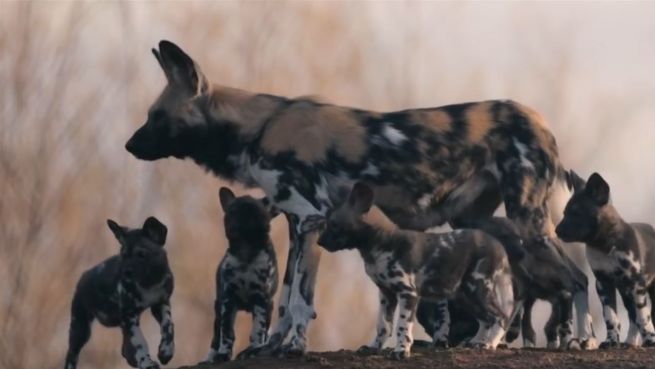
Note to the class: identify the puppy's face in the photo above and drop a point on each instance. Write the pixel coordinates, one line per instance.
(345, 222)
(247, 221)
(584, 212)
(143, 258)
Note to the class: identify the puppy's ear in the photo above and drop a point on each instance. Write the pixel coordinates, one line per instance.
(117, 230)
(155, 230)
(226, 196)
(598, 189)
(273, 210)
(574, 181)
(361, 198)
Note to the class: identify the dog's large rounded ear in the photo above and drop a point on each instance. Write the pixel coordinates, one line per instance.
(117, 230)
(598, 189)
(179, 68)
(226, 196)
(574, 181)
(361, 197)
(155, 230)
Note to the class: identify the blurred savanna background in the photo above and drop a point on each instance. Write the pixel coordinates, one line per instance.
(76, 79)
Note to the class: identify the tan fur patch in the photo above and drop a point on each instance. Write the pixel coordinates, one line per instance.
(438, 120)
(544, 137)
(479, 121)
(376, 218)
(244, 108)
(310, 131)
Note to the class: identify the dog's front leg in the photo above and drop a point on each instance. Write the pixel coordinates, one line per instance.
(642, 311)
(407, 300)
(162, 313)
(442, 325)
(261, 320)
(607, 294)
(135, 347)
(388, 303)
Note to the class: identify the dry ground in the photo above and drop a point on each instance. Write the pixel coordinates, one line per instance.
(458, 358)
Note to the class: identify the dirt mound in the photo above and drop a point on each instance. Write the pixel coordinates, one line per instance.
(457, 358)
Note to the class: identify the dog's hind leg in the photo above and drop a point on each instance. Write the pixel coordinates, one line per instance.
(80, 332)
(529, 336)
(607, 294)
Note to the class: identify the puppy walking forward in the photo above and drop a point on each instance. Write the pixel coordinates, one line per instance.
(246, 278)
(426, 165)
(621, 255)
(406, 265)
(118, 290)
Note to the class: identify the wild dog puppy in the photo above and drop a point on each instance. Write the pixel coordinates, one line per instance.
(425, 164)
(406, 265)
(246, 278)
(118, 290)
(621, 255)
(539, 271)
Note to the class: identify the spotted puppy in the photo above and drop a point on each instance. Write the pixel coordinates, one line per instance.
(247, 277)
(407, 264)
(118, 290)
(621, 255)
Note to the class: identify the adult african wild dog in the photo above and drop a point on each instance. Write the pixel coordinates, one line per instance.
(621, 255)
(247, 276)
(425, 164)
(118, 290)
(406, 265)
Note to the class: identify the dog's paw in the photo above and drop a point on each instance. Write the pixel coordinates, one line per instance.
(441, 345)
(477, 345)
(399, 354)
(369, 350)
(165, 353)
(149, 364)
(572, 345)
(589, 344)
(648, 344)
(606, 345)
(249, 352)
(289, 350)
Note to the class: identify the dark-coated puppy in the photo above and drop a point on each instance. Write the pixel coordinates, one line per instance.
(118, 290)
(247, 277)
(406, 265)
(621, 255)
(539, 272)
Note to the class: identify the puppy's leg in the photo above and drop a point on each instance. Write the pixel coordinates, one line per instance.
(644, 321)
(607, 294)
(552, 339)
(515, 326)
(388, 303)
(565, 327)
(407, 300)
(135, 347)
(216, 338)
(442, 325)
(162, 313)
(80, 332)
(632, 340)
(228, 315)
(261, 320)
(529, 336)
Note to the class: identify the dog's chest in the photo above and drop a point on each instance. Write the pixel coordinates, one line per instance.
(245, 278)
(602, 262)
(153, 295)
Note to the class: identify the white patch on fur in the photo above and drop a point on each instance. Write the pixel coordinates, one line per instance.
(141, 347)
(370, 170)
(523, 150)
(392, 134)
(152, 295)
(425, 200)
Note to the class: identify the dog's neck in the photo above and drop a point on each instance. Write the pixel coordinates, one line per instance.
(613, 231)
(233, 120)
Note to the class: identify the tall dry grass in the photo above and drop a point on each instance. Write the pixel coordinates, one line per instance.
(76, 80)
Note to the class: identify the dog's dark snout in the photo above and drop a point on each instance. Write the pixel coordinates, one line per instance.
(129, 146)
